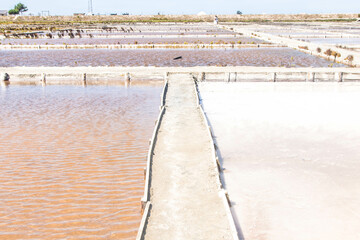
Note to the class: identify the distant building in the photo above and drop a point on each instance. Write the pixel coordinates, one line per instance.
(79, 14)
(3, 12)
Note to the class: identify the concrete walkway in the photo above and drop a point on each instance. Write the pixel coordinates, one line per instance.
(184, 195)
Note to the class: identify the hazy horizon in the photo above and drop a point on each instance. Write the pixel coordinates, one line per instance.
(187, 7)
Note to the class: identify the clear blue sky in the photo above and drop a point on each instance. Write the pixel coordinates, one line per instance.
(67, 7)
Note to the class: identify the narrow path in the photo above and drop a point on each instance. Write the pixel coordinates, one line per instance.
(306, 47)
(184, 194)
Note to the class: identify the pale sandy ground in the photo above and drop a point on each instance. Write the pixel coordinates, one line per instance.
(184, 194)
(292, 157)
(255, 29)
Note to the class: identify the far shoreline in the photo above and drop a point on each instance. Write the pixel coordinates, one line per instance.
(112, 19)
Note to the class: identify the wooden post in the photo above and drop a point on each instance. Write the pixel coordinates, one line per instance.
(227, 77)
(127, 79)
(341, 76)
(143, 205)
(4, 81)
(84, 79)
(43, 78)
(227, 198)
(202, 77)
(310, 77)
(5, 77)
(166, 76)
(218, 164)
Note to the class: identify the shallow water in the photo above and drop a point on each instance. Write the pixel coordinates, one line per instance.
(164, 32)
(291, 157)
(266, 57)
(71, 160)
(166, 40)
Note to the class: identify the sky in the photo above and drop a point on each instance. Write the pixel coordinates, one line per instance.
(145, 7)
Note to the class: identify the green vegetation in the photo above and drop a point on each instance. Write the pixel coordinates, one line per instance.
(304, 47)
(350, 58)
(335, 55)
(329, 53)
(19, 8)
(13, 11)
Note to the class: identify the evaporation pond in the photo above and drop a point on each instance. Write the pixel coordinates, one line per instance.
(261, 57)
(72, 159)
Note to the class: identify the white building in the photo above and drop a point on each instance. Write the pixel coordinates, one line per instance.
(201, 13)
(3, 12)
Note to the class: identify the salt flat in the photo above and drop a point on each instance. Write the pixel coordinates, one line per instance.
(291, 157)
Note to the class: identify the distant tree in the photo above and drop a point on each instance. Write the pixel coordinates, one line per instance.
(19, 8)
(328, 52)
(350, 58)
(13, 11)
(335, 55)
(239, 12)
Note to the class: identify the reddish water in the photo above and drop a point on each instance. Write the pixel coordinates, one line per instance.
(71, 160)
(80, 41)
(269, 57)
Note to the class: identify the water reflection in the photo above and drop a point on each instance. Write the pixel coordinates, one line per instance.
(4, 84)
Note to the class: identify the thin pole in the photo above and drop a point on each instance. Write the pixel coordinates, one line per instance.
(90, 8)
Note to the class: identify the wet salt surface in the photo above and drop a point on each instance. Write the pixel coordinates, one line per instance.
(345, 41)
(71, 160)
(269, 57)
(291, 157)
(128, 40)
